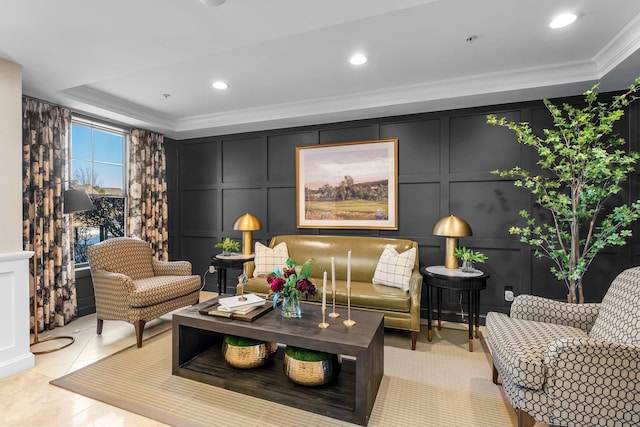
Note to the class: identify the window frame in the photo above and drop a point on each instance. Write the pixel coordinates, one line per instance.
(94, 124)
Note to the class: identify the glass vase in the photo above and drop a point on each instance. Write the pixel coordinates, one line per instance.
(291, 307)
(467, 267)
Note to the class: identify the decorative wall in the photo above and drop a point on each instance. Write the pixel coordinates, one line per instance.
(445, 159)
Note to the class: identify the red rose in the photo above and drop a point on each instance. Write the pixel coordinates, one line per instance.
(305, 286)
(277, 284)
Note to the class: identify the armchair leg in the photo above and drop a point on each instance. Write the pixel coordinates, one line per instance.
(524, 419)
(495, 375)
(99, 326)
(414, 338)
(139, 326)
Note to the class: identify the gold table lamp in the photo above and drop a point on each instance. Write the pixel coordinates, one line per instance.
(451, 227)
(247, 223)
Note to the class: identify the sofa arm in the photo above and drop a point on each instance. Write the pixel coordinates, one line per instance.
(415, 290)
(171, 268)
(585, 371)
(529, 307)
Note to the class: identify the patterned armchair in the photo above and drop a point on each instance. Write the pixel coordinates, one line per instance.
(132, 286)
(571, 364)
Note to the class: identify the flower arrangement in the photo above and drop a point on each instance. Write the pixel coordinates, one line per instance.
(291, 282)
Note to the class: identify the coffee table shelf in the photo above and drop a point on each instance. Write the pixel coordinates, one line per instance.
(270, 379)
(197, 355)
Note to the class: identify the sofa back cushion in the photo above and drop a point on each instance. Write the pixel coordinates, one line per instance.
(619, 316)
(126, 255)
(365, 253)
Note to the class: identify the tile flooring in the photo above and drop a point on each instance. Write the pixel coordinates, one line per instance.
(27, 398)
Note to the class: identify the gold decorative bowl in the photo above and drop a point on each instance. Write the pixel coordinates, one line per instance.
(311, 373)
(250, 356)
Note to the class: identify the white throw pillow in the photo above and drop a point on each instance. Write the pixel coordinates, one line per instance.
(395, 269)
(267, 259)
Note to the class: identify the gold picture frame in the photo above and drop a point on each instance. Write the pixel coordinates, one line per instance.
(348, 185)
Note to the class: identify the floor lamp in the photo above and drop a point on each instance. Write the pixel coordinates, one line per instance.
(73, 200)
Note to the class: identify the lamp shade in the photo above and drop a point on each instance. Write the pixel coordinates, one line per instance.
(247, 222)
(452, 226)
(75, 200)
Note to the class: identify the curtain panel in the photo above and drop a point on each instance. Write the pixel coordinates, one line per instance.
(147, 197)
(45, 141)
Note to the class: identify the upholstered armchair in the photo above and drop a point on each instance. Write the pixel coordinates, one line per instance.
(571, 364)
(132, 286)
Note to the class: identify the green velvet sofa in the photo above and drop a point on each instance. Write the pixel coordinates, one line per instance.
(401, 309)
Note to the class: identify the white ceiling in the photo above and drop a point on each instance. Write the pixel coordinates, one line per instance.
(286, 60)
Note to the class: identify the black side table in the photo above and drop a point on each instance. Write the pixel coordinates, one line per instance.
(440, 278)
(222, 263)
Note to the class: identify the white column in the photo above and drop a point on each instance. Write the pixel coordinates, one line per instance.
(15, 355)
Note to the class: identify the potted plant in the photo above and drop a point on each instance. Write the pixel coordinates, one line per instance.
(468, 257)
(228, 245)
(583, 164)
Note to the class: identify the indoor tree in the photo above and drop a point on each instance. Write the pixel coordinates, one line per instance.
(583, 163)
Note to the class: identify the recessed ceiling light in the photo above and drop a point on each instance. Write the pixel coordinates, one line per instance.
(358, 59)
(212, 3)
(562, 20)
(220, 85)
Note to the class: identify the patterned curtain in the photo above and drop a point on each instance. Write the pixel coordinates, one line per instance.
(147, 198)
(45, 140)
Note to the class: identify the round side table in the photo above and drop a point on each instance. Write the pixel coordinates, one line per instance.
(440, 277)
(225, 262)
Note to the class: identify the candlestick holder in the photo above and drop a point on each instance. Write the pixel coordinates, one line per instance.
(333, 314)
(324, 324)
(349, 323)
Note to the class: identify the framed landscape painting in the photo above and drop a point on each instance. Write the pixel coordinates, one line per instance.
(348, 185)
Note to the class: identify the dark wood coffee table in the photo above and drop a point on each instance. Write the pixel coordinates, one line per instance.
(197, 354)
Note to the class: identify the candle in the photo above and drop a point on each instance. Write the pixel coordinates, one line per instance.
(349, 269)
(333, 275)
(324, 290)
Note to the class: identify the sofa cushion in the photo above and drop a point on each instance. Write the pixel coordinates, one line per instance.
(159, 289)
(268, 259)
(521, 345)
(394, 269)
(619, 318)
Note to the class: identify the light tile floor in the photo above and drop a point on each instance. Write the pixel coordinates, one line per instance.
(27, 398)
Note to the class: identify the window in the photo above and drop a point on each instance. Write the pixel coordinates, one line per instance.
(98, 167)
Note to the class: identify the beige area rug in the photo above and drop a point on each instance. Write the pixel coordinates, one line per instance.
(440, 384)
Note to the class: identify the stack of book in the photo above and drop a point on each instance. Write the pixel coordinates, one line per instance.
(240, 304)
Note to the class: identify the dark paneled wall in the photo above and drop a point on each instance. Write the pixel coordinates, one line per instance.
(445, 159)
